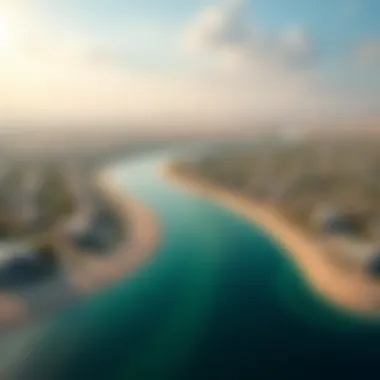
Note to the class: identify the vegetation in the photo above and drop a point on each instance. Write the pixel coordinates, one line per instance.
(32, 208)
(55, 200)
(299, 177)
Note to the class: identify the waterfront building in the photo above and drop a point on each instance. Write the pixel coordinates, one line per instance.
(22, 264)
(333, 221)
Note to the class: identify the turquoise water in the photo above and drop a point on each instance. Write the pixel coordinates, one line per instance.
(220, 300)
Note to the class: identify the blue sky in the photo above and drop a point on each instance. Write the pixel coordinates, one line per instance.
(204, 59)
(335, 24)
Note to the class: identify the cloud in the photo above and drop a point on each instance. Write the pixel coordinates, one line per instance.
(260, 72)
(367, 54)
(297, 47)
(71, 76)
(217, 27)
(225, 28)
(248, 74)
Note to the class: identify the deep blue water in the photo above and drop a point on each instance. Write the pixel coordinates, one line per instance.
(219, 301)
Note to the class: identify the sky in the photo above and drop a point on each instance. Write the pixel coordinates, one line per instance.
(193, 62)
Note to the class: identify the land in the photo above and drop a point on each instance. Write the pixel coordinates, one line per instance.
(67, 229)
(282, 185)
(91, 273)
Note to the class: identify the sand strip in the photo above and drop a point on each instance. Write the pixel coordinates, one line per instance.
(88, 274)
(351, 291)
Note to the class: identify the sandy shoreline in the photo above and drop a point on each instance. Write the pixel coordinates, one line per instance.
(95, 273)
(88, 274)
(351, 291)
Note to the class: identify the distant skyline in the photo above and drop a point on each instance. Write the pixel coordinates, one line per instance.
(158, 62)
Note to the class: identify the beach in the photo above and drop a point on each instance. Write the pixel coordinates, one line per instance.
(351, 291)
(89, 273)
(86, 274)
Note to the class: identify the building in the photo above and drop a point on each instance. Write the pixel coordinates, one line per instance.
(93, 230)
(331, 220)
(24, 265)
(341, 224)
(373, 267)
(9, 250)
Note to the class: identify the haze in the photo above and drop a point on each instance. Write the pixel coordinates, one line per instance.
(163, 65)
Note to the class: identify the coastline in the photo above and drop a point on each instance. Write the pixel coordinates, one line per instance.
(88, 274)
(350, 291)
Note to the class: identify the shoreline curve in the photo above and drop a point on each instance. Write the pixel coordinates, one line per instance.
(142, 243)
(350, 291)
(87, 274)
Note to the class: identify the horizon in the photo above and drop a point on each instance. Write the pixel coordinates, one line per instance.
(165, 67)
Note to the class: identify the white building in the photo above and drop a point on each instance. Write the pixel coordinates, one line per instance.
(11, 250)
